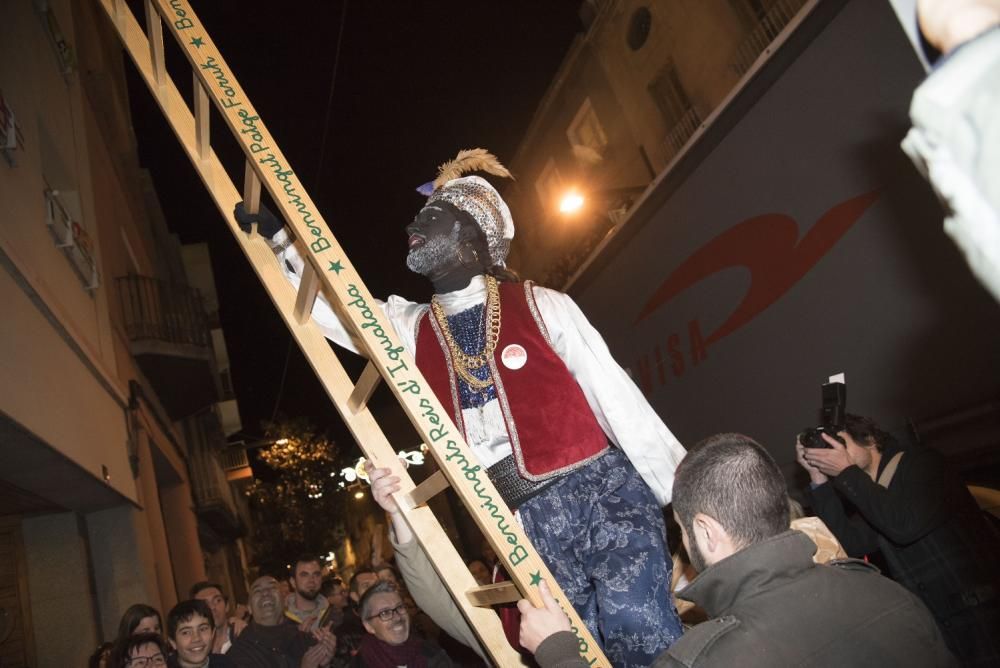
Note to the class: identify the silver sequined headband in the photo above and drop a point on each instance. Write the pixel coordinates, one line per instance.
(476, 197)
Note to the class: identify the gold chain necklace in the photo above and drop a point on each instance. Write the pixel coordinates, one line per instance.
(464, 362)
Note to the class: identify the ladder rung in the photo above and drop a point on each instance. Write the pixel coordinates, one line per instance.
(308, 289)
(251, 189)
(154, 31)
(422, 493)
(364, 388)
(494, 594)
(201, 116)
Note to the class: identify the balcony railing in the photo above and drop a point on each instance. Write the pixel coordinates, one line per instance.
(682, 130)
(209, 481)
(213, 496)
(236, 464)
(161, 311)
(168, 336)
(770, 24)
(234, 459)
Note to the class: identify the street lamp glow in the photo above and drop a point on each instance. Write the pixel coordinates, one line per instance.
(281, 441)
(359, 494)
(571, 202)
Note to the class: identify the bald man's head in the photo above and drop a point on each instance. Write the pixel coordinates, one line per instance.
(265, 601)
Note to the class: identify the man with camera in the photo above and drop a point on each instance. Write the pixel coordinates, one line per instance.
(914, 509)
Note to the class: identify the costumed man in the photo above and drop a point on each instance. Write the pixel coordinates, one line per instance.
(563, 432)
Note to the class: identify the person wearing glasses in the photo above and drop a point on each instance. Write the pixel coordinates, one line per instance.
(138, 619)
(389, 643)
(144, 650)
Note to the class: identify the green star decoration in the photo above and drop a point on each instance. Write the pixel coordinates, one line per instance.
(198, 42)
(335, 267)
(536, 578)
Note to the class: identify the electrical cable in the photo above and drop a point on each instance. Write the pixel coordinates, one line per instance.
(284, 373)
(319, 174)
(329, 99)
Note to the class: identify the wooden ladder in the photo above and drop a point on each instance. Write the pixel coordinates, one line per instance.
(328, 270)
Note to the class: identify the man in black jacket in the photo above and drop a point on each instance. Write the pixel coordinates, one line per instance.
(934, 538)
(272, 640)
(769, 604)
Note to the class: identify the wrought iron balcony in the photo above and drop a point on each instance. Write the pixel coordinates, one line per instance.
(771, 22)
(219, 521)
(159, 311)
(678, 135)
(168, 332)
(236, 464)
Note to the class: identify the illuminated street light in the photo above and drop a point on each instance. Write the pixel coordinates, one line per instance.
(359, 494)
(281, 441)
(571, 202)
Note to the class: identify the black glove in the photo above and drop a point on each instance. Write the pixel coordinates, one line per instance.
(267, 224)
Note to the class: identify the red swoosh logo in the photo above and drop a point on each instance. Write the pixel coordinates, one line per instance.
(769, 247)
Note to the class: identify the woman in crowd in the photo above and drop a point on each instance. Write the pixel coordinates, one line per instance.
(139, 618)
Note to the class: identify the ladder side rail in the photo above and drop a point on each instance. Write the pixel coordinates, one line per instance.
(334, 377)
(343, 287)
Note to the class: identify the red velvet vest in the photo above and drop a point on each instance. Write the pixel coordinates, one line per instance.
(551, 427)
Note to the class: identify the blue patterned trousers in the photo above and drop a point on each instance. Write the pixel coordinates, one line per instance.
(600, 531)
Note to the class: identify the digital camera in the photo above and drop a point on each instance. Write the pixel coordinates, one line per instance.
(834, 407)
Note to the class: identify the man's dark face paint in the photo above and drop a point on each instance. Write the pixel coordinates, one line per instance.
(433, 241)
(446, 246)
(432, 222)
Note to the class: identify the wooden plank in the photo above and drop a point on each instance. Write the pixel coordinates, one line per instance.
(251, 188)
(494, 594)
(422, 493)
(346, 292)
(120, 13)
(364, 388)
(154, 33)
(203, 135)
(306, 297)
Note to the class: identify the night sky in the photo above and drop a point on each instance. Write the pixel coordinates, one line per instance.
(416, 82)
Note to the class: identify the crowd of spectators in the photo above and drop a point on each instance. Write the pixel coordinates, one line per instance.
(317, 622)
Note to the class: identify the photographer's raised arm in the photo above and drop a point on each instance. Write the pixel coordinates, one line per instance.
(902, 511)
(856, 537)
(908, 509)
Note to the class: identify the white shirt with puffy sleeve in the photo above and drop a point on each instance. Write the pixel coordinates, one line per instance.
(620, 408)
